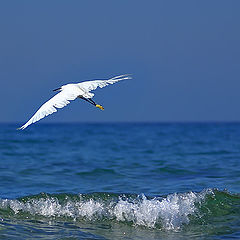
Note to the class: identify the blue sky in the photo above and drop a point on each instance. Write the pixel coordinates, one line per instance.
(184, 57)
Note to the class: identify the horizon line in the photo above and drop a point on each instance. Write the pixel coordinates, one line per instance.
(129, 122)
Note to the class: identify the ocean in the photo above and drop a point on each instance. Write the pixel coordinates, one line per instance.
(120, 181)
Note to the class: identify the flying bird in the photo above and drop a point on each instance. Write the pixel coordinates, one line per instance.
(69, 93)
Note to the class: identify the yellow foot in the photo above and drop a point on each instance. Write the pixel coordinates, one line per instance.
(99, 106)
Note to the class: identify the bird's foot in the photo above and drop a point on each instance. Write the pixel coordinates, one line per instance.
(99, 106)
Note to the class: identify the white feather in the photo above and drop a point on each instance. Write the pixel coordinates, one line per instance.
(92, 85)
(69, 93)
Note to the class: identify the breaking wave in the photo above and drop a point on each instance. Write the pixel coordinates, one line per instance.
(169, 213)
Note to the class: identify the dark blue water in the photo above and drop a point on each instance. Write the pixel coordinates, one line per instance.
(120, 181)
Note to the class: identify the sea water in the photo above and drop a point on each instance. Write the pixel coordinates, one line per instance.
(120, 181)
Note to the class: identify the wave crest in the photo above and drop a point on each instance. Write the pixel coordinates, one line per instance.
(169, 213)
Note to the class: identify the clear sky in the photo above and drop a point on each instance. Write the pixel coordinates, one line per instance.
(184, 57)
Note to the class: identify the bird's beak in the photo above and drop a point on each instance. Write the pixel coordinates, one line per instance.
(99, 106)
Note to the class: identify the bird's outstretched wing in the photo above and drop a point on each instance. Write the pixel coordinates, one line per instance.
(58, 101)
(92, 85)
(70, 92)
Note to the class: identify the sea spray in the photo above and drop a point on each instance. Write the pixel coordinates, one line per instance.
(169, 213)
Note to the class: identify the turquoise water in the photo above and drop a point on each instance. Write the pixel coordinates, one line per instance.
(120, 181)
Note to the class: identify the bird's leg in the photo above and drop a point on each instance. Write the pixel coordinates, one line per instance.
(97, 105)
(86, 99)
(92, 102)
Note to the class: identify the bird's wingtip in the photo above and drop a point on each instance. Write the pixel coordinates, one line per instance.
(129, 75)
(122, 77)
(21, 128)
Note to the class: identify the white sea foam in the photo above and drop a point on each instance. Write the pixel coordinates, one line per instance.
(169, 213)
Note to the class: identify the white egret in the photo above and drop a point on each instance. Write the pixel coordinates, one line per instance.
(69, 93)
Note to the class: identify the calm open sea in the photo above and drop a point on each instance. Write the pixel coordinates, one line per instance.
(120, 181)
